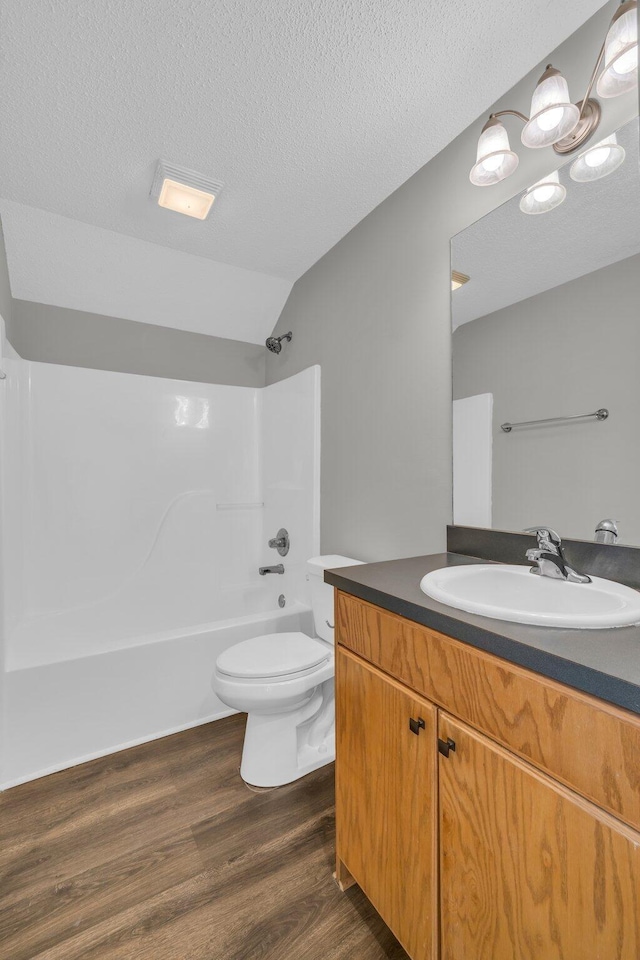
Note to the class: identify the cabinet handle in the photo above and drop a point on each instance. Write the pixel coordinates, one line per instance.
(416, 725)
(445, 746)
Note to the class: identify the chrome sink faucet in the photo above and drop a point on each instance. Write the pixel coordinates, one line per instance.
(607, 532)
(548, 558)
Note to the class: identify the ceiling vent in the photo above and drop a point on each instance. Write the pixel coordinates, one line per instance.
(184, 191)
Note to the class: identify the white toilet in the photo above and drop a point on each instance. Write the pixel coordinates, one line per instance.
(284, 681)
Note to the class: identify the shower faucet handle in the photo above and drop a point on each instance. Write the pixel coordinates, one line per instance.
(281, 542)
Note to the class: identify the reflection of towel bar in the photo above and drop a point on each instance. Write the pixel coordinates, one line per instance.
(239, 506)
(601, 414)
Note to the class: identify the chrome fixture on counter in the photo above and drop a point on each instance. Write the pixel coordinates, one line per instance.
(274, 344)
(276, 568)
(281, 542)
(555, 120)
(601, 414)
(606, 532)
(548, 558)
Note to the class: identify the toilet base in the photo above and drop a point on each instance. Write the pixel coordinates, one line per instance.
(280, 748)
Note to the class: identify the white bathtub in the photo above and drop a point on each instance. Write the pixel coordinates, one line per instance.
(79, 685)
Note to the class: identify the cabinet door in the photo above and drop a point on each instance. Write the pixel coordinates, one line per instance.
(386, 800)
(529, 870)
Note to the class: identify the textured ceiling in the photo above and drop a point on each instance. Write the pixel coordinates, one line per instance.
(310, 113)
(510, 256)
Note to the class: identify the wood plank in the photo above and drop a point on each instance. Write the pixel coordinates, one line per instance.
(275, 819)
(97, 828)
(162, 852)
(290, 913)
(386, 800)
(111, 783)
(529, 869)
(590, 745)
(47, 915)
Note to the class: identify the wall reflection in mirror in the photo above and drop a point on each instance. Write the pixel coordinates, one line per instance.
(547, 327)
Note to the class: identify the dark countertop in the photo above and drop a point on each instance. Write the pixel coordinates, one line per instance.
(605, 663)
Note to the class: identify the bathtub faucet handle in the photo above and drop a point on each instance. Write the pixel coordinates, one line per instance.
(281, 542)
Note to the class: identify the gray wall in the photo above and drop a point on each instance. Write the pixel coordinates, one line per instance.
(5, 312)
(59, 335)
(5, 288)
(374, 313)
(571, 350)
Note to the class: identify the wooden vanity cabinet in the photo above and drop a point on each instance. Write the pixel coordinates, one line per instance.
(467, 848)
(529, 869)
(386, 801)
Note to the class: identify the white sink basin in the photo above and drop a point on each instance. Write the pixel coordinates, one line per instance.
(506, 592)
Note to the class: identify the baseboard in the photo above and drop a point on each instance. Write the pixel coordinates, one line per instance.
(68, 764)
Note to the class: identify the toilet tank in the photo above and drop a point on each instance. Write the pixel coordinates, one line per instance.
(322, 593)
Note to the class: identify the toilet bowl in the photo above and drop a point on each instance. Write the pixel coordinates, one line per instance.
(284, 682)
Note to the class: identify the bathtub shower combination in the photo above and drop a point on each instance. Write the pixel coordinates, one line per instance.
(136, 513)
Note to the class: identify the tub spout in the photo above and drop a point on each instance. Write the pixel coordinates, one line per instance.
(276, 568)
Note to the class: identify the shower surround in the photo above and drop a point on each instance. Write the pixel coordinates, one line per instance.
(136, 512)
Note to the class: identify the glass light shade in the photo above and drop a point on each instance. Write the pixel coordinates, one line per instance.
(494, 160)
(543, 195)
(598, 161)
(553, 116)
(620, 72)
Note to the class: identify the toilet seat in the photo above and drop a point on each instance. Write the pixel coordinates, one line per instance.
(274, 657)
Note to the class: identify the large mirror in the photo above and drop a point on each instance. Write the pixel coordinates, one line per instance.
(546, 354)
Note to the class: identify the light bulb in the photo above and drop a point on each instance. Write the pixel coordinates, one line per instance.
(550, 119)
(598, 161)
(545, 192)
(597, 156)
(492, 163)
(544, 195)
(627, 62)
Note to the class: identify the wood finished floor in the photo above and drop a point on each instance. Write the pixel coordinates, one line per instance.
(162, 853)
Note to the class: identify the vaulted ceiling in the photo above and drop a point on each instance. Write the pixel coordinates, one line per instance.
(310, 113)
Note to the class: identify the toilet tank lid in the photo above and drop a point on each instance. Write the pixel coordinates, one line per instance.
(317, 565)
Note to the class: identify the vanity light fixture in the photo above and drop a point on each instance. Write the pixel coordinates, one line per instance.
(184, 191)
(495, 159)
(553, 116)
(458, 279)
(620, 72)
(555, 120)
(598, 161)
(543, 195)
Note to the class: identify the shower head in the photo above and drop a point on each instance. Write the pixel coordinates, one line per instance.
(274, 344)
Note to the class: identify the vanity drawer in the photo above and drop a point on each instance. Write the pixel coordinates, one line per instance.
(584, 742)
